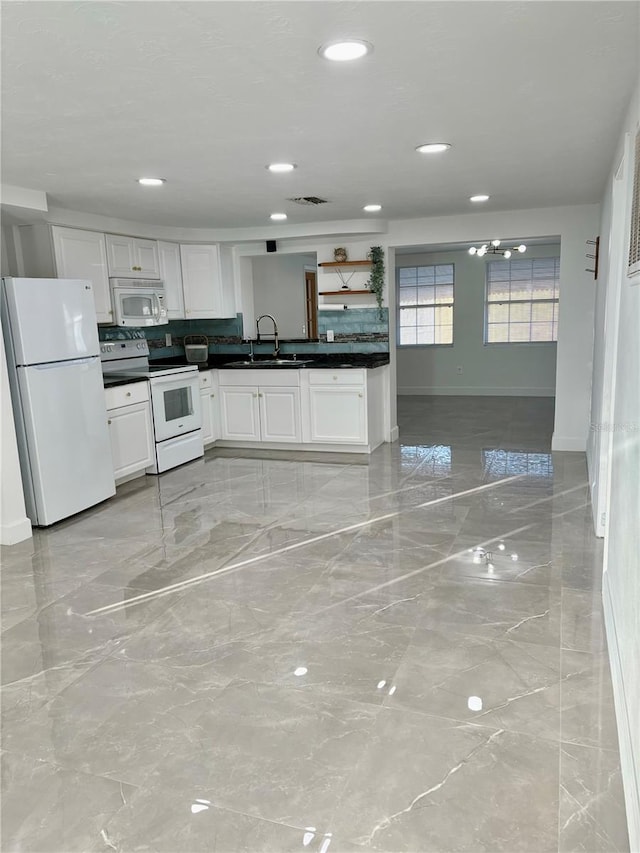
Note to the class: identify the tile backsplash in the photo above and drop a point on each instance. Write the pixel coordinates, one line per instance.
(355, 330)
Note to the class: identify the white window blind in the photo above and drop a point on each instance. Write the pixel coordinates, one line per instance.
(522, 300)
(425, 305)
(634, 236)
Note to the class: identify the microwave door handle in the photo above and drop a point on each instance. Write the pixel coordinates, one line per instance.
(156, 311)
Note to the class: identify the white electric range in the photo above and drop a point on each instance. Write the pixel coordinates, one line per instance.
(175, 400)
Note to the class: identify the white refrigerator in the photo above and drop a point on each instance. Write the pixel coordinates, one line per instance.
(57, 392)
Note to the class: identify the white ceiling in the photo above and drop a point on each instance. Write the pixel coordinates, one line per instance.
(530, 94)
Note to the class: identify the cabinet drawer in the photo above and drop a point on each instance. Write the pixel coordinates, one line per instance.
(264, 377)
(337, 377)
(125, 395)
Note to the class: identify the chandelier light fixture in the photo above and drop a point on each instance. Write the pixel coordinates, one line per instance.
(493, 248)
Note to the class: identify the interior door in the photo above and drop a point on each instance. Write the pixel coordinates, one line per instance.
(311, 291)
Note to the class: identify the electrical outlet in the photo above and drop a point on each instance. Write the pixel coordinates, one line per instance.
(329, 336)
(167, 339)
(459, 369)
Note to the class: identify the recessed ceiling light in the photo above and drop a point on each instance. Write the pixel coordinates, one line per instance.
(479, 198)
(433, 147)
(345, 51)
(278, 216)
(372, 208)
(281, 167)
(152, 182)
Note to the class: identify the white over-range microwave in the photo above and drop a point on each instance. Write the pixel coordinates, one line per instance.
(138, 302)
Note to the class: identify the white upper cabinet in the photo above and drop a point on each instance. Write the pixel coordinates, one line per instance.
(206, 293)
(82, 254)
(132, 257)
(171, 275)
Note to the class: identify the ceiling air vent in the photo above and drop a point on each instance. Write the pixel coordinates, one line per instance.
(308, 199)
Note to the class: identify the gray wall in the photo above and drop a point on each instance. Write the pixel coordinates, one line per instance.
(278, 289)
(500, 369)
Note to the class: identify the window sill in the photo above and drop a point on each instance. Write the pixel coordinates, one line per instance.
(423, 346)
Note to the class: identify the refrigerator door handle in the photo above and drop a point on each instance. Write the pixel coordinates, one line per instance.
(50, 365)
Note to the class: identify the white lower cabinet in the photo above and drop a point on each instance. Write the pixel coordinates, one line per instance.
(130, 429)
(210, 407)
(338, 415)
(338, 406)
(260, 413)
(280, 414)
(324, 409)
(239, 413)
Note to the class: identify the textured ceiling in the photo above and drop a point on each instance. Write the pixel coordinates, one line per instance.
(530, 94)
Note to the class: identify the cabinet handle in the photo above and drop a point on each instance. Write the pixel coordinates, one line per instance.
(213, 395)
(128, 393)
(360, 395)
(109, 421)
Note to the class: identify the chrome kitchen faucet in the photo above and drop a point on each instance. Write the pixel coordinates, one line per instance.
(276, 346)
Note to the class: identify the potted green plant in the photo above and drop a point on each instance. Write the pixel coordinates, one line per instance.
(376, 279)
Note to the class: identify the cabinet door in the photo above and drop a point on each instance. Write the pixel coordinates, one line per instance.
(207, 420)
(202, 283)
(122, 262)
(145, 255)
(239, 413)
(338, 415)
(171, 275)
(280, 414)
(82, 254)
(132, 257)
(131, 436)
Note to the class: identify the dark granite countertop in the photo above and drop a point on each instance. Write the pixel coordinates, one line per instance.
(112, 381)
(366, 360)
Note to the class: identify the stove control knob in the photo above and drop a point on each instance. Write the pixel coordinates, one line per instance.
(140, 346)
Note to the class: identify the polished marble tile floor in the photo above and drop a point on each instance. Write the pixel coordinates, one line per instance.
(279, 652)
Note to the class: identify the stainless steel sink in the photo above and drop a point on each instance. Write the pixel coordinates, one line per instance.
(270, 362)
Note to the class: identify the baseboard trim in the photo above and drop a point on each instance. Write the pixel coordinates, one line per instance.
(394, 435)
(569, 443)
(18, 531)
(472, 391)
(630, 778)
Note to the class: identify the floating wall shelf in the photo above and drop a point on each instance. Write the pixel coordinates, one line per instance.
(339, 266)
(345, 264)
(342, 292)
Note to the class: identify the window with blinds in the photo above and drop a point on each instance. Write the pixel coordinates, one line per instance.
(634, 237)
(425, 305)
(522, 301)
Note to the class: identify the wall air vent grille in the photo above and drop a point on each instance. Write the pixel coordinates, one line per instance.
(634, 237)
(308, 199)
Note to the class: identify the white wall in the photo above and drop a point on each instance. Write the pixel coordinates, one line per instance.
(279, 289)
(621, 586)
(501, 369)
(574, 226)
(14, 524)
